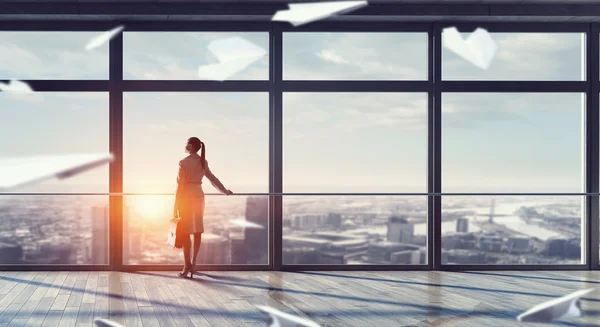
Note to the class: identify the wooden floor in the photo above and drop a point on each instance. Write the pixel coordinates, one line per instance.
(329, 298)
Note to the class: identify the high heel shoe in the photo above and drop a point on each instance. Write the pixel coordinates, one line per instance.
(192, 269)
(185, 271)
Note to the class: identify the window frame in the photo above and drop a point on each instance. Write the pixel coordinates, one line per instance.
(434, 86)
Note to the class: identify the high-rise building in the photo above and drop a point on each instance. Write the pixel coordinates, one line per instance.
(214, 250)
(238, 249)
(10, 253)
(257, 239)
(518, 244)
(99, 235)
(334, 220)
(126, 235)
(462, 225)
(400, 230)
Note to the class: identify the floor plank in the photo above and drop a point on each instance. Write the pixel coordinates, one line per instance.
(411, 298)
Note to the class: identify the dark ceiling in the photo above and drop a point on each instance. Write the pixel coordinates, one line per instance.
(378, 10)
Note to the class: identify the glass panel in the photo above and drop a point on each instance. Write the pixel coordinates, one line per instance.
(51, 55)
(524, 56)
(226, 239)
(499, 142)
(355, 142)
(380, 230)
(177, 55)
(55, 124)
(512, 230)
(355, 56)
(235, 129)
(49, 230)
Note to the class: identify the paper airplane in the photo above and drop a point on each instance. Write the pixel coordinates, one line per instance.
(303, 13)
(479, 48)
(568, 306)
(245, 223)
(20, 171)
(103, 38)
(234, 55)
(282, 319)
(106, 323)
(15, 86)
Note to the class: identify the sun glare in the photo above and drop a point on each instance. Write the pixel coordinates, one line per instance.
(149, 207)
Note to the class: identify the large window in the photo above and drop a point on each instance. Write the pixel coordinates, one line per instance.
(177, 55)
(497, 143)
(235, 129)
(351, 143)
(524, 56)
(342, 133)
(45, 229)
(355, 56)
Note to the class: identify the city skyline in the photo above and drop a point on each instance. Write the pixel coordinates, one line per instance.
(235, 131)
(333, 230)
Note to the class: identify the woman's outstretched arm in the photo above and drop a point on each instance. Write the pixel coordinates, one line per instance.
(178, 192)
(215, 181)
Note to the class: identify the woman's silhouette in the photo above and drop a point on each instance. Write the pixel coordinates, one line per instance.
(189, 201)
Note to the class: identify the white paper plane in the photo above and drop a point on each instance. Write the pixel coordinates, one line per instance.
(246, 224)
(15, 86)
(304, 13)
(568, 306)
(19, 171)
(103, 38)
(234, 55)
(479, 48)
(106, 323)
(282, 319)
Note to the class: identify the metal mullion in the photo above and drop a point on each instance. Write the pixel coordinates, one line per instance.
(358, 27)
(435, 202)
(276, 147)
(520, 27)
(355, 86)
(48, 85)
(116, 148)
(358, 267)
(45, 267)
(453, 267)
(313, 194)
(205, 267)
(135, 26)
(430, 145)
(55, 26)
(514, 86)
(483, 267)
(592, 148)
(240, 26)
(195, 86)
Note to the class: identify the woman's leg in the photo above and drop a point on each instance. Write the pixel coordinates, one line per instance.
(197, 241)
(187, 247)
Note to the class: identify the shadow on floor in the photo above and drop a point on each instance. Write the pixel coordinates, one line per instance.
(531, 277)
(469, 288)
(401, 309)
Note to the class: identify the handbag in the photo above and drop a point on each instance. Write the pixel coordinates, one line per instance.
(172, 234)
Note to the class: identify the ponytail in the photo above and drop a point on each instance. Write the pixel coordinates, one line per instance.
(203, 154)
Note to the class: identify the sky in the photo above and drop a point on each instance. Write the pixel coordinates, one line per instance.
(333, 142)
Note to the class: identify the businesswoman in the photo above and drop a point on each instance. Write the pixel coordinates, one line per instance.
(189, 201)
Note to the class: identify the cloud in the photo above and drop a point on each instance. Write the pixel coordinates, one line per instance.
(332, 56)
(158, 128)
(180, 54)
(524, 56)
(50, 55)
(400, 56)
(470, 111)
